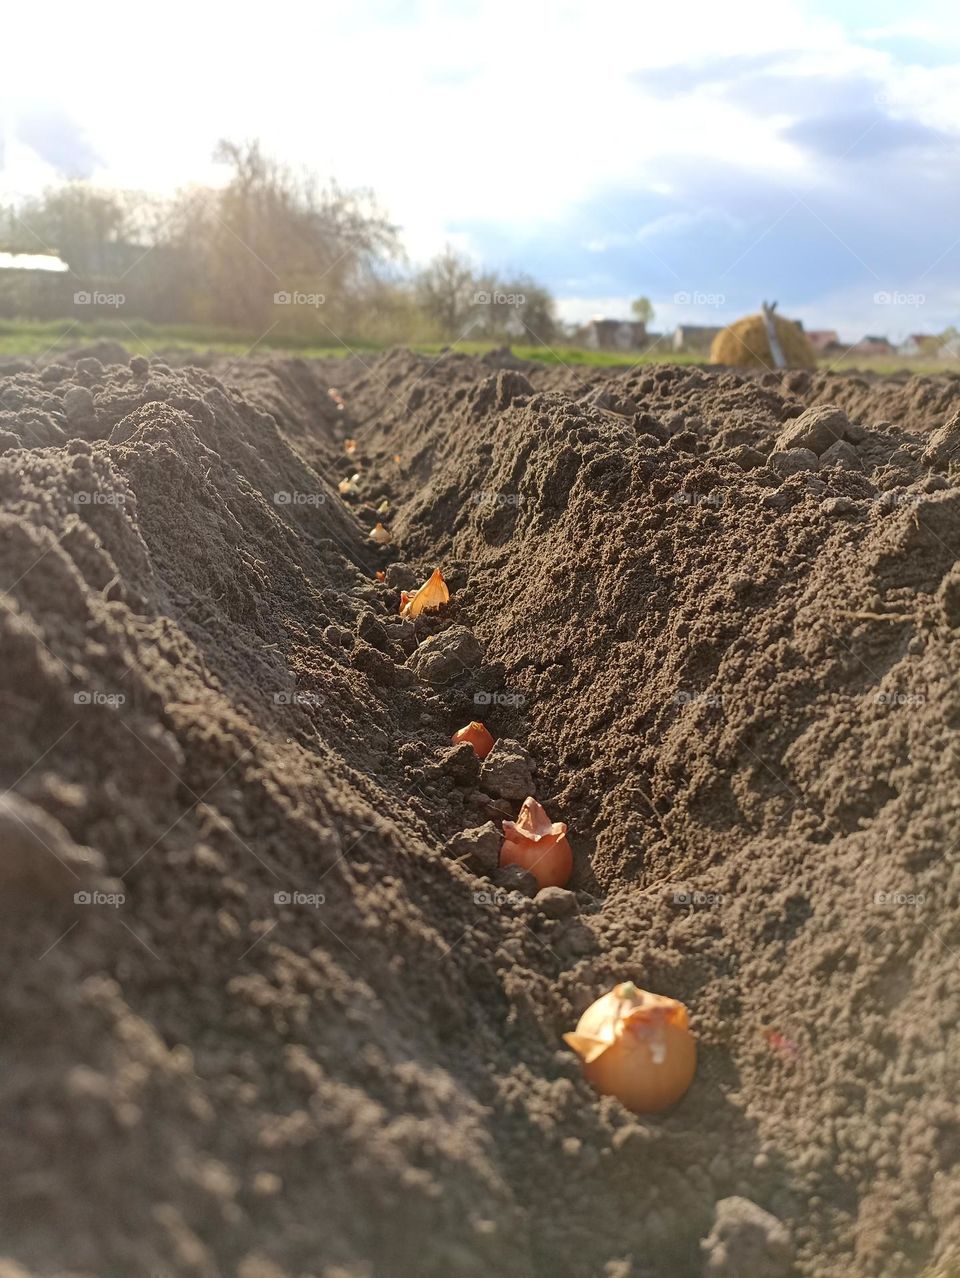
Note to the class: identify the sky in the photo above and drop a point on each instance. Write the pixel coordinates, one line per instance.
(707, 155)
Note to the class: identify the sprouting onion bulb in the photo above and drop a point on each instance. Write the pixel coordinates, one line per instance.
(476, 735)
(539, 845)
(433, 594)
(636, 1046)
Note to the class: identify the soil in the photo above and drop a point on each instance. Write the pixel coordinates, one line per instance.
(263, 1018)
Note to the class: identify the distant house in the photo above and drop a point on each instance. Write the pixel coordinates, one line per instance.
(919, 344)
(823, 340)
(614, 335)
(694, 338)
(871, 345)
(950, 349)
(37, 285)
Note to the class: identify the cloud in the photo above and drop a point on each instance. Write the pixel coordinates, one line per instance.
(57, 139)
(867, 134)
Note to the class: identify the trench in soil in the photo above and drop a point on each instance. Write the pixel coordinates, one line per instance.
(735, 687)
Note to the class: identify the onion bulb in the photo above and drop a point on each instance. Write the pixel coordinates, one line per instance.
(476, 735)
(349, 487)
(433, 594)
(379, 534)
(636, 1046)
(539, 845)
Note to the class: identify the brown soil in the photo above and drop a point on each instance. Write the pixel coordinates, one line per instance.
(739, 690)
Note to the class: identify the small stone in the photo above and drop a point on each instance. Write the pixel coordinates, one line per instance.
(816, 428)
(793, 462)
(556, 902)
(401, 630)
(745, 457)
(578, 941)
(507, 771)
(513, 878)
(461, 764)
(337, 637)
(841, 454)
(777, 500)
(402, 577)
(839, 506)
(78, 404)
(479, 847)
(447, 656)
(745, 1239)
(372, 632)
(379, 666)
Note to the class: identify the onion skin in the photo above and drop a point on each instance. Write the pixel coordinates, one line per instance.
(638, 1047)
(431, 596)
(539, 845)
(476, 735)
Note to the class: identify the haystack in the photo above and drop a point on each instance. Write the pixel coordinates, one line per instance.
(744, 344)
